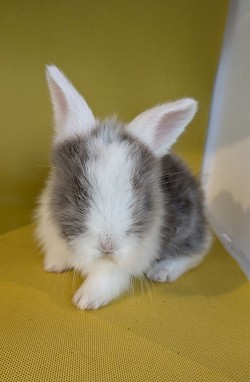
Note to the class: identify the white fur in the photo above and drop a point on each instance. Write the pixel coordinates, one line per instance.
(56, 252)
(109, 276)
(112, 198)
(105, 282)
(160, 126)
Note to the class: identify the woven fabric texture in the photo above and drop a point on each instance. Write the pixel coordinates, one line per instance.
(196, 329)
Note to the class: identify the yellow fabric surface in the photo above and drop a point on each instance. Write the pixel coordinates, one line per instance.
(196, 329)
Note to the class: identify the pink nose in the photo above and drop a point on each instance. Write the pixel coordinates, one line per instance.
(107, 246)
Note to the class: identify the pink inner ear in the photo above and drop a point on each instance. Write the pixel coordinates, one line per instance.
(169, 127)
(59, 101)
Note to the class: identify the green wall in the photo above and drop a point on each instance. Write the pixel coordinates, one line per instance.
(124, 56)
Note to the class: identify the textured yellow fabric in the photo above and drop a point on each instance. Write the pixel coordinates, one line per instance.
(196, 329)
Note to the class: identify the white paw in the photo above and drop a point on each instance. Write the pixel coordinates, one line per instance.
(162, 273)
(86, 298)
(53, 266)
(171, 269)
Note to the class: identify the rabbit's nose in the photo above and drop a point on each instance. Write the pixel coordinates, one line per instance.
(107, 245)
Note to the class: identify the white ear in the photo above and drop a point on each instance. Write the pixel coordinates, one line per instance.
(160, 126)
(71, 113)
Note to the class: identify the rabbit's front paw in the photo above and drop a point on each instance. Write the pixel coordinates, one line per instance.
(162, 272)
(87, 298)
(171, 269)
(52, 265)
(57, 259)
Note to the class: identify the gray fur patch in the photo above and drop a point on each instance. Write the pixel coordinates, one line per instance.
(144, 181)
(70, 188)
(185, 228)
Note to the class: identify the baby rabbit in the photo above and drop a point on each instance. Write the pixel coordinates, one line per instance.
(117, 204)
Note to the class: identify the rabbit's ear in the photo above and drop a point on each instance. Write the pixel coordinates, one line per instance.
(72, 115)
(160, 126)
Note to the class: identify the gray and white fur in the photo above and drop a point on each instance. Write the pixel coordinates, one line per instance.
(117, 203)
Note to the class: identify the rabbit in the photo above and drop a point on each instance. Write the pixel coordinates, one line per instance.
(118, 204)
